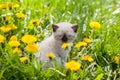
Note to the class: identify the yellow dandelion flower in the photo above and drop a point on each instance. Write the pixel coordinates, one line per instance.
(5, 29)
(50, 55)
(73, 65)
(2, 38)
(20, 15)
(87, 58)
(13, 38)
(116, 60)
(87, 40)
(15, 6)
(8, 19)
(65, 45)
(29, 39)
(35, 22)
(12, 26)
(14, 43)
(80, 44)
(23, 59)
(10, 5)
(3, 6)
(32, 48)
(17, 51)
(95, 25)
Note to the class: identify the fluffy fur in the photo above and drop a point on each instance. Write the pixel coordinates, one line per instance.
(62, 33)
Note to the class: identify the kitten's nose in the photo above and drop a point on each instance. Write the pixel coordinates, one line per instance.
(64, 38)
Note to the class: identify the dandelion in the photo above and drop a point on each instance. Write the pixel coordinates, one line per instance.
(65, 45)
(5, 29)
(87, 58)
(10, 5)
(87, 40)
(20, 15)
(8, 19)
(23, 59)
(12, 26)
(13, 38)
(80, 44)
(35, 22)
(2, 38)
(32, 48)
(50, 55)
(16, 51)
(29, 39)
(95, 25)
(15, 6)
(73, 65)
(116, 60)
(3, 6)
(14, 43)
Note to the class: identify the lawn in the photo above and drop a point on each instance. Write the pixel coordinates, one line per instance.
(95, 54)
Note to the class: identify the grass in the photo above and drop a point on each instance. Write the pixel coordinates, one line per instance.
(103, 49)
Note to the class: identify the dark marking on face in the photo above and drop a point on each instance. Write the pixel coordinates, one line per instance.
(64, 38)
(75, 27)
(54, 26)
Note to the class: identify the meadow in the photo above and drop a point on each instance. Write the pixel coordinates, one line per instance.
(95, 54)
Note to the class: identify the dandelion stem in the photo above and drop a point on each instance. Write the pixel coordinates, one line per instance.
(80, 53)
(58, 71)
(1, 49)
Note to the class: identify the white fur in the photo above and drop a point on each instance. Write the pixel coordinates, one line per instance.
(51, 44)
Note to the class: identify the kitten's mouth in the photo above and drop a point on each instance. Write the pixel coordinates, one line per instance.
(64, 38)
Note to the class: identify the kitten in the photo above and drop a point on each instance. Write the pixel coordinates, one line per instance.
(63, 32)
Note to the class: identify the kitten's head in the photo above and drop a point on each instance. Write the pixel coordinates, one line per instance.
(65, 32)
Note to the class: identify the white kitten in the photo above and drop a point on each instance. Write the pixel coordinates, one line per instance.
(63, 32)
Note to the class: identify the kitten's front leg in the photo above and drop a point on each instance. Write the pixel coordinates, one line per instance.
(60, 61)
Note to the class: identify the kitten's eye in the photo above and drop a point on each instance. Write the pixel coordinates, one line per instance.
(69, 36)
(59, 36)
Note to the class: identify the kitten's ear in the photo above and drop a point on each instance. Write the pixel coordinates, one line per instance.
(54, 27)
(75, 27)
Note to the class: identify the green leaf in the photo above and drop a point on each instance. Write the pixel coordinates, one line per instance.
(99, 77)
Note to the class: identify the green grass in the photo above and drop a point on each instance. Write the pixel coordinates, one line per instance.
(103, 49)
